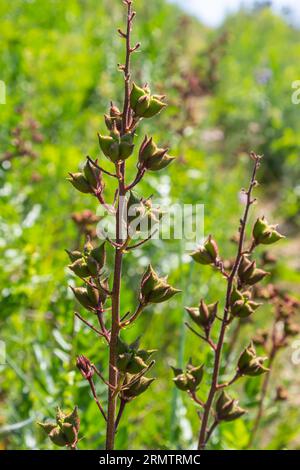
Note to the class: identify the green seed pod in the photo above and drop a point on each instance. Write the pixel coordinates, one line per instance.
(73, 418)
(74, 255)
(69, 432)
(136, 388)
(83, 297)
(204, 315)
(58, 438)
(126, 146)
(159, 162)
(125, 150)
(248, 272)
(93, 266)
(148, 282)
(257, 276)
(147, 149)
(103, 288)
(246, 268)
(65, 431)
(105, 143)
(136, 93)
(206, 254)
(255, 368)
(204, 312)
(99, 255)
(227, 408)
(235, 295)
(114, 119)
(265, 234)
(60, 416)
(114, 152)
(131, 359)
(47, 427)
(194, 314)
(109, 122)
(188, 380)
(195, 375)
(80, 268)
(135, 210)
(136, 365)
(92, 174)
(145, 355)
(182, 382)
(234, 414)
(241, 309)
(153, 158)
(250, 364)
(240, 304)
(247, 355)
(123, 361)
(155, 106)
(142, 105)
(80, 183)
(161, 292)
(176, 370)
(93, 295)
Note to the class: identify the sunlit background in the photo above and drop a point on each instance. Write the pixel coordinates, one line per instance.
(213, 12)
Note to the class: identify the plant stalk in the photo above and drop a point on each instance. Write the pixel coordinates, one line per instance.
(218, 352)
(115, 319)
(264, 389)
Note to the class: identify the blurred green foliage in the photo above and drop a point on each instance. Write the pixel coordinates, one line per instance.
(59, 63)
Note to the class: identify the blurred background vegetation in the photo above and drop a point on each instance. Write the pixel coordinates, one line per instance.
(229, 92)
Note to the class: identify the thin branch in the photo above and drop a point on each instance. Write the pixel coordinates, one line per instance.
(110, 209)
(100, 167)
(219, 265)
(132, 247)
(196, 399)
(137, 179)
(125, 316)
(233, 340)
(206, 339)
(120, 413)
(115, 318)
(227, 384)
(100, 375)
(264, 389)
(90, 325)
(128, 322)
(213, 388)
(113, 244)
(92, 386)
(211, 430)
(138, 376)
(105, 332)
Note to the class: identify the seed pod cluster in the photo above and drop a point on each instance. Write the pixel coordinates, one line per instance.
(227, 408)
(155, 289)
(190, 379)
(63, 432)
(243, 277)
